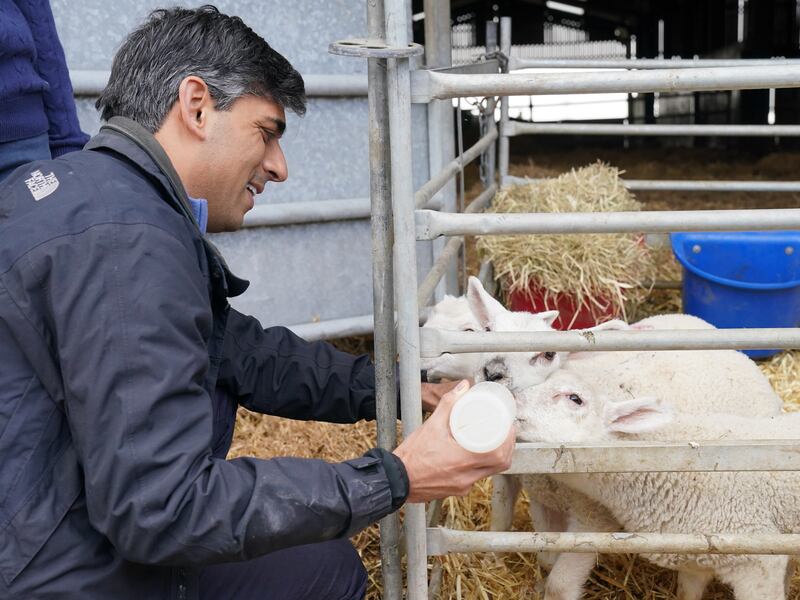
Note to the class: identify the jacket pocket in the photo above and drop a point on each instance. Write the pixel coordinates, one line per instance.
(40, 514)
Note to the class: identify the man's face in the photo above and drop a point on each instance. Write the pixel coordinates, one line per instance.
(241, 154)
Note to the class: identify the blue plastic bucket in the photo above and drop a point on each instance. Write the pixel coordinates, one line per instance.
(741, 279)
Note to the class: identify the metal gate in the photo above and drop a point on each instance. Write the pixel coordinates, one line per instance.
(399, 219)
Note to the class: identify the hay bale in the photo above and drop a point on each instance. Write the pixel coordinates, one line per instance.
(596, 268)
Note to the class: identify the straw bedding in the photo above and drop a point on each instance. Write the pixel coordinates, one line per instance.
(512, 575)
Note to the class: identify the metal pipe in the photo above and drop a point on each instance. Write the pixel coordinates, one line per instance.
(344, 327)
(405, 268)
(431, 224)
(486, 277)
(438, 54)
(334, 328)
(448, 541)
(678, 185)
(645, 63)
(383, 289)
(450, 250)
(296, 213)
(639, 457)
(436, 342)
(619, 129)
(428, 85)
(438, 181)
(446, 256)
(489, 157)
(503, 150)
(92, 83)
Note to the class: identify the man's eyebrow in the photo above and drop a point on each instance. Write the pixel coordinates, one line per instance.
(279, 124)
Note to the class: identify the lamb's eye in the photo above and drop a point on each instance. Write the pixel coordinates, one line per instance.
(469, 329)
(576, 399)
(549, 355)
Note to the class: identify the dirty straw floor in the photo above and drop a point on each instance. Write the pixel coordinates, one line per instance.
(512, 575)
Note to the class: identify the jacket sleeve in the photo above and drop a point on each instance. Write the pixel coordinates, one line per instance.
(132, 320)
(273, 371)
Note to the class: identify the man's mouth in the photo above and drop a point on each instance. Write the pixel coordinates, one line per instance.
(252, 189)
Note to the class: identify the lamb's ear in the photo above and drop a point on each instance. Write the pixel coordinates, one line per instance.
(482, 305)
(637, 416)
(612, 325)
(548, 316)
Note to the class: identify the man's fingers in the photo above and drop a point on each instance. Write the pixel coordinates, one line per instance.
(453, 395)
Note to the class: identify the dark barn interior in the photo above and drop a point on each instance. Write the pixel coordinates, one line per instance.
(659, 29)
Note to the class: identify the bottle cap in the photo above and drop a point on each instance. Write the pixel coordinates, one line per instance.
(481, 418)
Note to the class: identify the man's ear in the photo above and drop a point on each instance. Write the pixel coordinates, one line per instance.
(637, 416)
(482, 305)
(194, 106)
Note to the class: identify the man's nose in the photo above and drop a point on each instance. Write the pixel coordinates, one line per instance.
(274, 163)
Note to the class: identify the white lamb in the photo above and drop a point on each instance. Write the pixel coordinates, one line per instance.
(454, 314)
(477, 310)
(698, 382)
(569, 408)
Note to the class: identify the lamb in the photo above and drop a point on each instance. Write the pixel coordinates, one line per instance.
(699, 382)
(478, 311)
(454, 314)
(568, 408)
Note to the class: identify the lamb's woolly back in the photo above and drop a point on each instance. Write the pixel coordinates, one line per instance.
(693, 381)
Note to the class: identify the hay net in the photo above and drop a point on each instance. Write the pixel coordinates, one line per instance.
(595, 269)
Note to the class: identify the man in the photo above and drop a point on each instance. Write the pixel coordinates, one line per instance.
(123, 365)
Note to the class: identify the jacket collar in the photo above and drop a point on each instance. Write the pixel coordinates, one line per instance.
(126, 137)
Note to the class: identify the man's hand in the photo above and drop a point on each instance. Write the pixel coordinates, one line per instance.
(432, 393)
(437, 466)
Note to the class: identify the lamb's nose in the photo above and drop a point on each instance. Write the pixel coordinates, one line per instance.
(492, 374)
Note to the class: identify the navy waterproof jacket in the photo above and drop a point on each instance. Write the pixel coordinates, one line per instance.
(121, 367)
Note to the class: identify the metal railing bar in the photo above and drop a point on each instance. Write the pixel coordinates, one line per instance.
(446, 256)
(516, 128)
(405, 276)
(688, 185)
(644, 63)
(91, 82)
(383, 291)
(438, 181)
(503, 144)
(640, 456)
(432, 224)
(297, 213)
(486, 66)
(334, 328)
(450, 250)
(435, 342)
(429, 85)
(448, 541)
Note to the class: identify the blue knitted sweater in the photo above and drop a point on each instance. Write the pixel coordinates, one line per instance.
(35, 91)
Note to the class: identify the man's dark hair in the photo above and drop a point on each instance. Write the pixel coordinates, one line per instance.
(174, 43)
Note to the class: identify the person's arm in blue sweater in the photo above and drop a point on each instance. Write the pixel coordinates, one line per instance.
(65, 131)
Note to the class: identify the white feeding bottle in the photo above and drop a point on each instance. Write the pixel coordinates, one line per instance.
(481, 418)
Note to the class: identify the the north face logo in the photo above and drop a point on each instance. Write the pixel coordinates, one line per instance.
(41, 186)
